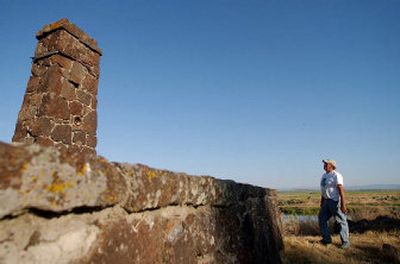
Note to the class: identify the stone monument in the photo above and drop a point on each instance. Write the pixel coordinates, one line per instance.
(59, 107)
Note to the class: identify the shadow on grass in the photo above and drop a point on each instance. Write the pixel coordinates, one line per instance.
(384, 254)
(381, 223)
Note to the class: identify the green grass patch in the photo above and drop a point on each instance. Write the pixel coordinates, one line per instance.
(290, 210)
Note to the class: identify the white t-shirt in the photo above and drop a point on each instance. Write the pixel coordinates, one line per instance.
(329, 182)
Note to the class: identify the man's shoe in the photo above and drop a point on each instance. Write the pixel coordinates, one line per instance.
(345, 245)
(324, 242)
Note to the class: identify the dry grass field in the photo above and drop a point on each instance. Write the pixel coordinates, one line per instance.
(361, 204)
(374, 221)
(368, 247)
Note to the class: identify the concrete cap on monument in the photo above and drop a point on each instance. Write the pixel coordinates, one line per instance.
(71, 28)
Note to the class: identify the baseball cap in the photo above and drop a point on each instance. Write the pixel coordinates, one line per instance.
(329, 161)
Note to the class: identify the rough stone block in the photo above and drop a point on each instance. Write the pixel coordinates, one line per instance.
(83, 97)
(45, 179)
(79, 138)
(89, 122)
(20, 131)
(78, 73)
(52, 81)
(91, 140)
(30, 111)
(90, 84)
(41, 126)
(44, 141)
(76, 108)
(68, 91)
(154, 188)
(54, 106)
(33, 84)
(62, 133)
(62, 61)
(38, 69)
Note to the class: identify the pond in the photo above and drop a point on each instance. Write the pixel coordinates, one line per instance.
(301, 218)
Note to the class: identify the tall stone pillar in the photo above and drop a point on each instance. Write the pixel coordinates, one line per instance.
(59, 107)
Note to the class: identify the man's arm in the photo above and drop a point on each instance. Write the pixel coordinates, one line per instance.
(342, 198)
(322, 200)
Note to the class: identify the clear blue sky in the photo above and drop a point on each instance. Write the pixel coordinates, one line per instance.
(254, 91)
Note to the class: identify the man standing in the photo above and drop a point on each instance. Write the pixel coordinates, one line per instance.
(333, 204)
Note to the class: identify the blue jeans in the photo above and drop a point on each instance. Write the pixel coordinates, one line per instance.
(328, 209)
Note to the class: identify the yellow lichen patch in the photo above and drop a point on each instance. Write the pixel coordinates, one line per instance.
(59, 186)
(34, 178)
(85, 169)
(56, 25)
(150, 174)
(24, 166)
(169, 226)
(110, 197)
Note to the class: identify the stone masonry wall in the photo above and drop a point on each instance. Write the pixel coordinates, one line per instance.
(59, 107)
(58, 208)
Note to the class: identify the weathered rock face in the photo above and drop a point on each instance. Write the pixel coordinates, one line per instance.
(45, 179)
(59, 107)
(63, 208)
